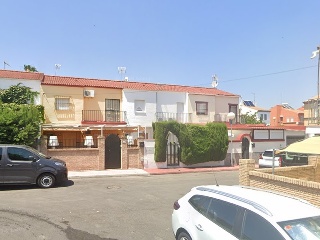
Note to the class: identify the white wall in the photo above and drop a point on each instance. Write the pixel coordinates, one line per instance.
(154, 102)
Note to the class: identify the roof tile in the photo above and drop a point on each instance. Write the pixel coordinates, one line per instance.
(21, 75)
(88, 82)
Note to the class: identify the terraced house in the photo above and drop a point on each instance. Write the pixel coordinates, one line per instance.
(101, 124)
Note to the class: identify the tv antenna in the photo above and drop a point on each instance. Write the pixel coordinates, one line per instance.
(121, 71)
(214, 82)
(57, 67)
(4, 65)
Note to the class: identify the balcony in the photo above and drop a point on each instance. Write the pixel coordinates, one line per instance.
(107, 116)
(179, 117)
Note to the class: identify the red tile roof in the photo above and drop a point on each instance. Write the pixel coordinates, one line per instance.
(88, 82)
(21, 75)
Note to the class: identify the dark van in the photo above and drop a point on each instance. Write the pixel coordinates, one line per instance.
(21, 164)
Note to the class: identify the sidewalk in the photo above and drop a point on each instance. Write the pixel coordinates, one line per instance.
(146, 172)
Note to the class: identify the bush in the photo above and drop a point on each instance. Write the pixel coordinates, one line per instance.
(198, 143)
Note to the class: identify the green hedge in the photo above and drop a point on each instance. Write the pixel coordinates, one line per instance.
(198, 144)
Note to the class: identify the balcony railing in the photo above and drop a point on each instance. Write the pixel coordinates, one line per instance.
(104, 116)
(179, 117)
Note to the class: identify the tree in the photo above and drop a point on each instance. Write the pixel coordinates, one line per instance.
(20, 119)
(29, 68)
(20, 123)
(18, 94)
(250, 119)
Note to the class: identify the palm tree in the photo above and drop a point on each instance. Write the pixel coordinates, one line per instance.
(29, 68)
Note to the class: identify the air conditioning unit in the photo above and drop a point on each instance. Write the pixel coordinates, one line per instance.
(88, 93)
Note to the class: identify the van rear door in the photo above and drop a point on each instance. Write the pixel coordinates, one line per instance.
(20, 166)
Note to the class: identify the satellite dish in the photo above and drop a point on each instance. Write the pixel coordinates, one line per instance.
(214, 83)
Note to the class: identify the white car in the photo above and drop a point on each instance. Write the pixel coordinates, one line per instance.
(266, 159)
(237, 212)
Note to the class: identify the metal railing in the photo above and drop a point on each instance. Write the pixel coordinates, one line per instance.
(168, 116)
(104, 116)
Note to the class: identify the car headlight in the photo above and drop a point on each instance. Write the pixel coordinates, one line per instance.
(60, 164)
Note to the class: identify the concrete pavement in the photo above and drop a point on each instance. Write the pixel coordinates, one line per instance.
(146, 172)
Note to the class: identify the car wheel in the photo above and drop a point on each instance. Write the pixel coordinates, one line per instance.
(46, 180)
(184, 236)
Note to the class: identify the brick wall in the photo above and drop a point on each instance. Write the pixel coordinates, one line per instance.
(300, 181)
(79, 159)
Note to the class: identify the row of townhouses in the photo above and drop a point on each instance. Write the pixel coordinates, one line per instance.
(101, 124)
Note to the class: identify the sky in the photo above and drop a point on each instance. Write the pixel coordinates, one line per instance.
(259, 50)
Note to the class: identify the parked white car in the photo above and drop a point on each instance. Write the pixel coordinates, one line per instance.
(266, 159)
(237, 212)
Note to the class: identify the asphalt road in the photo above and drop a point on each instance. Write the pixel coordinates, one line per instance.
(131, 207)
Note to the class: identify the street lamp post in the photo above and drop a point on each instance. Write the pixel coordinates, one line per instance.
(231, 116)
(314, 54)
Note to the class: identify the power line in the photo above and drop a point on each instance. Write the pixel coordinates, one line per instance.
(269, 74)
(261, 75)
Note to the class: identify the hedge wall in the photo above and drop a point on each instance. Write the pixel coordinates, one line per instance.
(198, 143)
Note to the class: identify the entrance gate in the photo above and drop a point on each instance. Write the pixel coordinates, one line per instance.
(113, 152)
(173, 155)
(245, 148)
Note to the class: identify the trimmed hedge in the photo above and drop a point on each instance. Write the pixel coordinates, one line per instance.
(198, 144)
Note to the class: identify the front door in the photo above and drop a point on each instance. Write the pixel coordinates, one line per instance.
(19, 168)
(113, 152)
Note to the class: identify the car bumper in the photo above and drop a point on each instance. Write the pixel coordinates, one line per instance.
(62, 176)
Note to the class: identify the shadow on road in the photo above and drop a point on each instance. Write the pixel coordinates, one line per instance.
(10, 187)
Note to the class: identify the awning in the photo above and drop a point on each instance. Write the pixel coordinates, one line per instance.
(308, 146)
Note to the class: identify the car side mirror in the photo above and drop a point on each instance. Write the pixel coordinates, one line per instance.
(32, 158)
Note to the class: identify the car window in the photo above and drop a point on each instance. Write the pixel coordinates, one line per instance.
(268, 154)
(200, 203)
(20, 154)
(257, 228)
(0, 153)
(223, 214)
(306, 228)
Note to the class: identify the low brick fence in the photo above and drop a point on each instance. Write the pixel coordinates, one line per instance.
(81, 159)
(299, 181)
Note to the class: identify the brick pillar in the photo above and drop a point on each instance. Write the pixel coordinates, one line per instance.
(44, 144)
(102, 154)
(124, 153)
(245, 166)
(317, 169)
(141, 153)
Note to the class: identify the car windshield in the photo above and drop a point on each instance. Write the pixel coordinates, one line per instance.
(300, 229)
(36, 152)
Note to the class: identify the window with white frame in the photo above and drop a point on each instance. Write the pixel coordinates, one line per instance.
(139, 106)
(202, 108)
(62, 103)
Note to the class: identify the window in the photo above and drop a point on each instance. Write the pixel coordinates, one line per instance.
(256, 227)
(223, 214)
(20, 154)
(113, 110)
(139, 106)
(113, 104)
(62, 103)
(234, 108)
(200, 203)
(202, 108)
